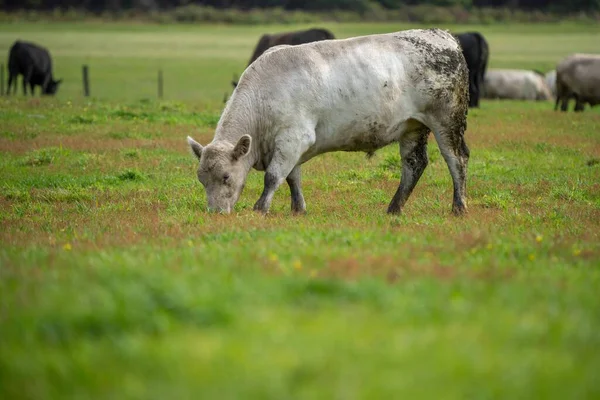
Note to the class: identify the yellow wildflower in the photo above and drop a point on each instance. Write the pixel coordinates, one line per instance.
(297, 265)
(67, 247)
(539, 238)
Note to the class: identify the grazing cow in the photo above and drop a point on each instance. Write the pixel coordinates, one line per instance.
(359, 94)
(476, 52)
(578, 76)
(550, 77)
(515, 84)
(290, 38)
(34, 63)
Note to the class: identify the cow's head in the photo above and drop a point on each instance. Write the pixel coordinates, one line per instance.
(52, 87)
(222, 171)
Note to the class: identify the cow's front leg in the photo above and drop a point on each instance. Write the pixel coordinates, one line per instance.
(45, 84)
(277, 171)
(286, 156)
(293, 180)
(27, 79)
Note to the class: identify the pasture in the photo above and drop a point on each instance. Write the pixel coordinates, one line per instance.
(115, 283)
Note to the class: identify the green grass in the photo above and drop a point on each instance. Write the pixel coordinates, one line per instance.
(115, 283)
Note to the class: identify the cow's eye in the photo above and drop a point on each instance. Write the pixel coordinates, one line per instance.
(225, 178)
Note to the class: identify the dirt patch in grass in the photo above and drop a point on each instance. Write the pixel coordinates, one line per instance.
(172, 138)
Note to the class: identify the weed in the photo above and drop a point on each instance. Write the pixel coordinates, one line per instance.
(82, 119)
(44, 156)
(391, 163)
(131, 175)
(131, 153)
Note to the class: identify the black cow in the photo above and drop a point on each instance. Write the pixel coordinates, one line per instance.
(34, 63)
(476, 52)
(291, 38)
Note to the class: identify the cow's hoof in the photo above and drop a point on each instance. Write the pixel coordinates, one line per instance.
(259, 208)
(394, 210)
(459, 211)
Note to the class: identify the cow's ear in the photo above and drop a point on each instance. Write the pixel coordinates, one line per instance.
(196, 147)
(242, 148)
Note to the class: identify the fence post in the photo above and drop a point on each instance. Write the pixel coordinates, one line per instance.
(86, 81)
(1, 79)
(160, 84)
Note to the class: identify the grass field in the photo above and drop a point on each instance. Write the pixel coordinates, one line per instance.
(115, 283)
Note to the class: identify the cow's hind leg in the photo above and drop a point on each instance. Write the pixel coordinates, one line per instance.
(413, 150)
(11, 77)
(452, 145)
(579, 104)
(293, 180)
(564, 103)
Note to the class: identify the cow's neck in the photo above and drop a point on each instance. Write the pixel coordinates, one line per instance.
(239, 119)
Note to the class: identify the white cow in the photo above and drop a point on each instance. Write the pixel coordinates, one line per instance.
(578, 76)
(358, 94)
(515, 84)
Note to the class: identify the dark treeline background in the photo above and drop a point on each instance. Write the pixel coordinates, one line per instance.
(306, 5)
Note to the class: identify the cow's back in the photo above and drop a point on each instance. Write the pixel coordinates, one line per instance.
(289, 38)
(345, 70)
(352, 86)
(580, 74)
(25, 55)
(515, 85)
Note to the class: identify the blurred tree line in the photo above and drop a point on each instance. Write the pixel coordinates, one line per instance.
(305, 5)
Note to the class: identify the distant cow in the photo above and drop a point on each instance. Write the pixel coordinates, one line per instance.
(578, 76)
(515, 84)
(357, 94)
(34, 63)
(476, 52)
(289, 38)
